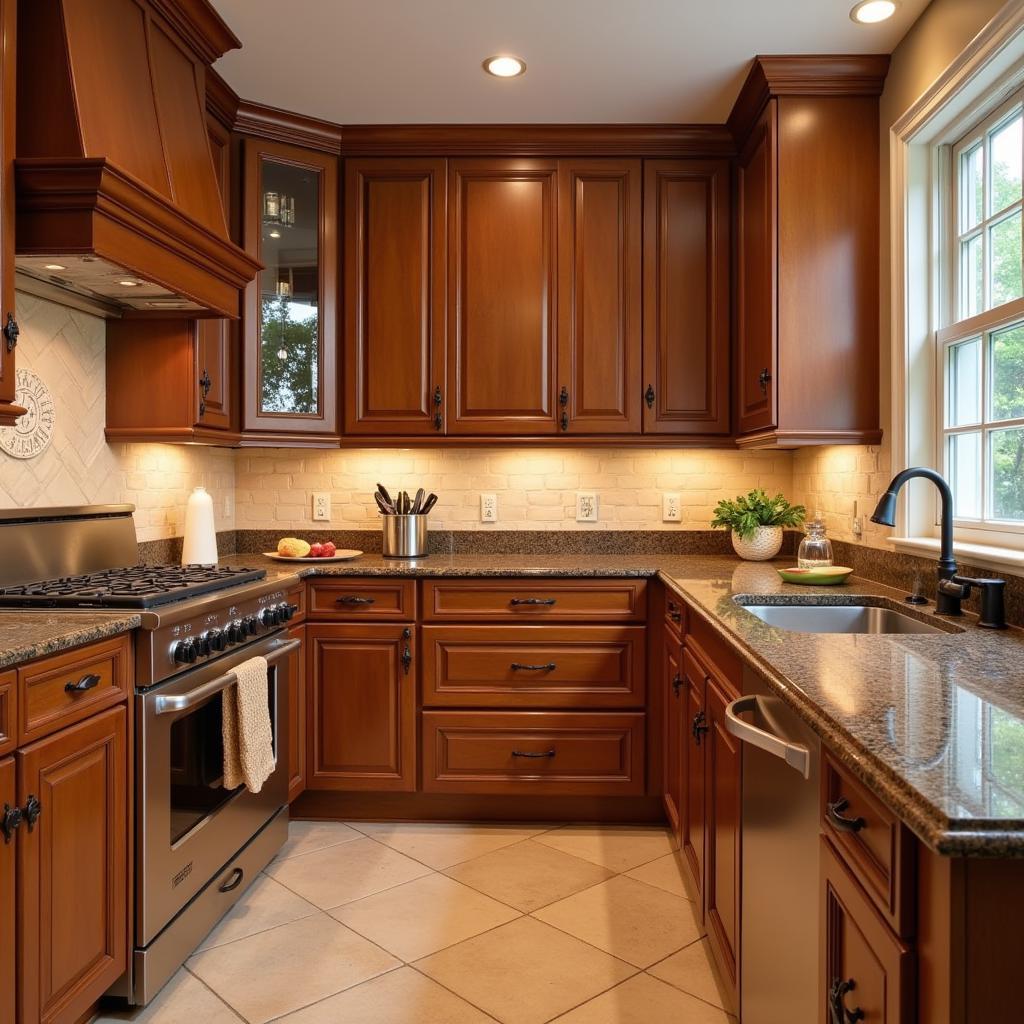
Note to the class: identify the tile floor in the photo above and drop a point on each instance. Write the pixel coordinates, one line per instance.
(390, 923)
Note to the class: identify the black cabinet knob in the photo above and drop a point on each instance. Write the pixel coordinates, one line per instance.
(33, 809)
(9, 822)
(11, 332)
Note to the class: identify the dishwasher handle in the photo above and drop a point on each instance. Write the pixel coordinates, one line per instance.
(796, 755)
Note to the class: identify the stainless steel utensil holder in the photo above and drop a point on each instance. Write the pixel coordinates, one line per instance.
(405, 536)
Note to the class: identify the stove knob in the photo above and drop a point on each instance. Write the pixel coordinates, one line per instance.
(269, 617)
(183, 652)
(216, 639)
(202, 645)
(288, 611)
(235, 633)
(250, 625)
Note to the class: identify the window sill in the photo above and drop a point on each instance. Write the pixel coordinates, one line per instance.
(985, 556)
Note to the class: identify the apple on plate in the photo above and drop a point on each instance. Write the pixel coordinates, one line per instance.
(327, 549)
(316, 550)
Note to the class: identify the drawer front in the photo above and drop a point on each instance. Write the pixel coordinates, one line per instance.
(496, 752)
(8, 712)
(534, 666)
(535, 600)
(872, 841)
(385, 600)
(55, 692)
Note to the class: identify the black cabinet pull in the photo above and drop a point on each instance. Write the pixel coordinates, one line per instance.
(834, 811)
(438, 399)
(674, 612)
(649, 396)
(406, 659)
(352, 599)
(33, 809)
(205, 384)
(699, 727)
(763, 378)
(532, 600)
(11, 332)
(9, 822)
(234, 881)
(563, 401)
(837, 1010)
(519, 667)
(87, 682)
(677, 681)
(530, 753)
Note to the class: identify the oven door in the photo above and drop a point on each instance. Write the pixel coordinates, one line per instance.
(187, 824)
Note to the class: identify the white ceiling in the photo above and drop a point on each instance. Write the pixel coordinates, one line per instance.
(418, 61)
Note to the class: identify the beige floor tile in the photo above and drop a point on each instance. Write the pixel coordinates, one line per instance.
(183, 998)
(633, 921)
(619, 848)
(665, 872)
(275, 972)
(528, 875)
(644, 1000)
(399, 997)
(349, 871)
(307, 836)
(440, 845)
(423, 916)
(691, 971)
(267, 904)
(524, 972)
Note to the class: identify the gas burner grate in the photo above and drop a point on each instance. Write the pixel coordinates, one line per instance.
(133, 586)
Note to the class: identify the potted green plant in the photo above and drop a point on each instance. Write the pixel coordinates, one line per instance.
(756, 522)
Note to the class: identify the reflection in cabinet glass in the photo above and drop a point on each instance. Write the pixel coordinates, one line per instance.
(290, 333)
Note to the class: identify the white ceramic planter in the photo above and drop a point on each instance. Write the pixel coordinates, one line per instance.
(764, 544)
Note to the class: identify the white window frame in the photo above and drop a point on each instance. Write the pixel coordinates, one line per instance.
(983, 80)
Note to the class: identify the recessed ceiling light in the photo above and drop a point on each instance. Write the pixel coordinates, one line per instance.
(129, 284)
(504, 66)
(275, 234)
(870, 12)
(55, 266)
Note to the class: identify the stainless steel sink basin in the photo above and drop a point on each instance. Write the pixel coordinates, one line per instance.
(804, 618)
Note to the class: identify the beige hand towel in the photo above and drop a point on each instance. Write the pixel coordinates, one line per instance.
(247, 733)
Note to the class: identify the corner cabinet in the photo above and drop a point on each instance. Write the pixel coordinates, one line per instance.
(9, 408)
(290, 328)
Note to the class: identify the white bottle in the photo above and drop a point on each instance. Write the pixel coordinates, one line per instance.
(200, 546)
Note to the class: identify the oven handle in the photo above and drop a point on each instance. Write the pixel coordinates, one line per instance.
(184, 701)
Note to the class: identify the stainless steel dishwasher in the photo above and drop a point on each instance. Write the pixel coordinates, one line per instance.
(779, 864)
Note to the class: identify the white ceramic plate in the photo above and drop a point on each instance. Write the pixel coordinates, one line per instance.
(342, 555)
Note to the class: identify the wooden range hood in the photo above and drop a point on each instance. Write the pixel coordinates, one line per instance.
(114, 175)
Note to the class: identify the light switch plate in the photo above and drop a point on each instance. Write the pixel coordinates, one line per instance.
(321, 506)
(586, 507)
(488, 508)
(671, 508)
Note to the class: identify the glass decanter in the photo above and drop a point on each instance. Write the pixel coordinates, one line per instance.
(815, 548)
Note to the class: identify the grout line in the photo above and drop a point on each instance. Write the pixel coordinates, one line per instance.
(213, 992)
(347, 988)
(441, 984)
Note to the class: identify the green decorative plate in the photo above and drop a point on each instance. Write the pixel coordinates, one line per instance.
(824, 576)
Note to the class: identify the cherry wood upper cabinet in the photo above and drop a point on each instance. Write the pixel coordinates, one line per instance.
(501, 296)
(599, 304)
(9, 409)
(807, 232)
(686, 297)
(395, 244)
(290, 342)
(73, 868)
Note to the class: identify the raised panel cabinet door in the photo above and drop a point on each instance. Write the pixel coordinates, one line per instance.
(686, 297)
(694, 729)
(9, 410)
(395, 243)
(72, 868)
(362, 718)
(599, 289)
(722, 869)
(290, 326)
(297, 713)
(674, 703)
(866, 972)
(501, 296)
(215, 372)
(8, 846)
(757, 277)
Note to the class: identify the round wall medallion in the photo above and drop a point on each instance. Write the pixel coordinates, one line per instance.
(32, 433)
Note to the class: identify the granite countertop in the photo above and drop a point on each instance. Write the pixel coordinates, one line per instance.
(28, 634)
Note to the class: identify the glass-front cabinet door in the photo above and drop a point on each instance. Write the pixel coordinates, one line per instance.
(290, 317)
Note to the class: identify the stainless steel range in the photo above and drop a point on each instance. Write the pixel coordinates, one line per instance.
(198, 845)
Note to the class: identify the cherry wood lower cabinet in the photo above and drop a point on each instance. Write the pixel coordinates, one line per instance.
(297, 714)
(674, 710)
(8, 892)
(72, 882)
(361, 713)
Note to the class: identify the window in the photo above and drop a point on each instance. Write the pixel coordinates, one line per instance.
(980, 354)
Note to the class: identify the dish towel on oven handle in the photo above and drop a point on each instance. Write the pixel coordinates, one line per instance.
(247, 733)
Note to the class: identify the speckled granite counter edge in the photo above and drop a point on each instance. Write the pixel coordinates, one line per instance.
(64, 639)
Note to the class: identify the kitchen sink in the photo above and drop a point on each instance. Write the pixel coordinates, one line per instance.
(803, 618)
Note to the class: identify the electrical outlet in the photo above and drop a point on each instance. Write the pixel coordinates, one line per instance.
(321, 506)
(586, 507)
(228, 505)
(671, 510)
(488, 508)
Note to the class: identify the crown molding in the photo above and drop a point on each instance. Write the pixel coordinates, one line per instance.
(285, 126)
(805, 75)
(221, 100)
(199, 23)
